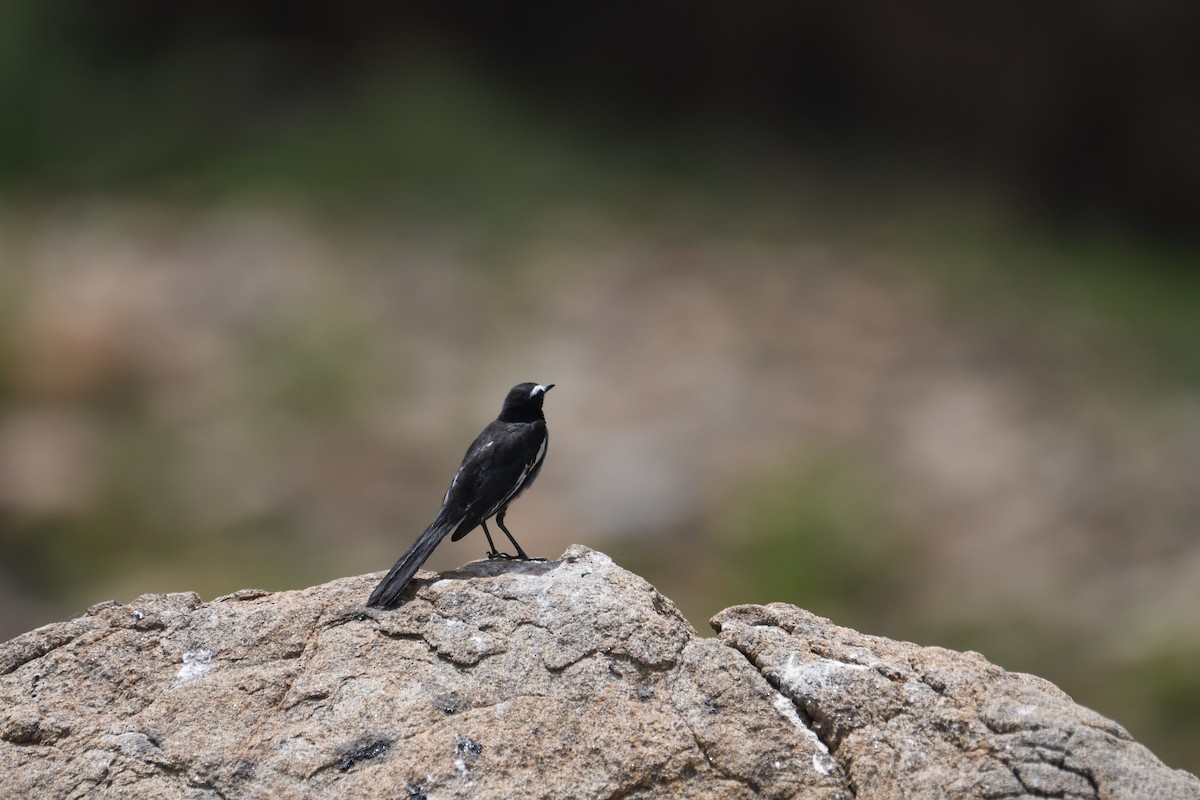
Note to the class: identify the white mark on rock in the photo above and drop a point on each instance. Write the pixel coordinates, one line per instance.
(788, 712)
(823, 763)
(468, 750)
(597, 557)
(501, 708)
(823, 674)
(195, 664)
(545, 607)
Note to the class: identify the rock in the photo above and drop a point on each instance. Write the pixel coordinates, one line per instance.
(566, 679)
(909, 721)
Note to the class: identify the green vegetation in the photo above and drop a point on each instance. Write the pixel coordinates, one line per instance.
(1159, 692)
(819, 535)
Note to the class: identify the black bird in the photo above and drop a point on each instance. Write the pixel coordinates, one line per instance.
(501, 463)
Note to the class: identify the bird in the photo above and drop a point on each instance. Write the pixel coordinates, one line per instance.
(503, 461)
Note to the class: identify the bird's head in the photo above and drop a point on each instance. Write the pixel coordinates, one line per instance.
(524, 401)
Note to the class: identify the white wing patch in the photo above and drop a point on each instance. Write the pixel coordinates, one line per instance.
(453, 483)
(458, 474)
(520, 484)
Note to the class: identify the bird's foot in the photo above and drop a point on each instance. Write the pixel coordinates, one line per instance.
(494, 554)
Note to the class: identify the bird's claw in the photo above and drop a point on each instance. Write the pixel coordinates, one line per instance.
(494, 554)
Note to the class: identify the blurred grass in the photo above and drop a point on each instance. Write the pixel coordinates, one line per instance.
(1158, 691)
(313, 363)
(1092, 282)
(424, 136)
(818, 534)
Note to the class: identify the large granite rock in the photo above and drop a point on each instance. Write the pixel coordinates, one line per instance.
(566, 679)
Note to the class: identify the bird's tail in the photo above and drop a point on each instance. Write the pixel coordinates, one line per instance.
(388, 591)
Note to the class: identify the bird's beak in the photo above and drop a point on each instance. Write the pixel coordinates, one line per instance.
(547, 387)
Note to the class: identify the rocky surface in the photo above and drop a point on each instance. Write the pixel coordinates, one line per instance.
(566, 679)
(909, 721)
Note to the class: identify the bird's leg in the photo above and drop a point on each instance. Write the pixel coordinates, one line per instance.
(492, 551)
(521, 554)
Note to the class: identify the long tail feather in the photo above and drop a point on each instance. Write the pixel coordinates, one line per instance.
(388, 591)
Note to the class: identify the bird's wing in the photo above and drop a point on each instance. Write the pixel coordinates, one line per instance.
(496, 468)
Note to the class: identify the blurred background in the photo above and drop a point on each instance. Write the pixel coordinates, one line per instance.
(891, 312)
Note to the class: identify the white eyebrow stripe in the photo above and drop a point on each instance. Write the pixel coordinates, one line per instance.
(537, 390)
